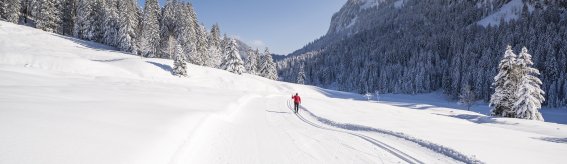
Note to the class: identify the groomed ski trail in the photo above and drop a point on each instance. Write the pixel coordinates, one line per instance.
(261, 124)
(343, 128)
(407, 158)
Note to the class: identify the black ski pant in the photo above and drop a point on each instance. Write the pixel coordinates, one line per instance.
(295, 107)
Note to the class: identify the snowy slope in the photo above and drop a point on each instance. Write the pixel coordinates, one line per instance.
(370, 3)
(508, 12)
(64, 100)
(399, 3)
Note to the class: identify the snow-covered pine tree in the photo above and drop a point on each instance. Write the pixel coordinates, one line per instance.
(467, 96)
(150, 36)
(127, 23)
(25, 12)
(213, 55)
(368, 96)
(201, 45)
(233, 62)
(84, 20)
(10, 10)
(267, 66)
(529, 94)
(168, 26)
(301, 75)
(184, 27)
(100, 16)
(199, 38)
(505, 84)
(2, 8)
(215, 36)
(109, 18)
(377, 95)
(68, 15)
(258, 61)
(47, 15)
(223, 47)
(34, 9)
(179, 62)
(252, 62)
(140, 13)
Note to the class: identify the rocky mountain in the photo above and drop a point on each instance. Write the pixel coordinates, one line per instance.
(347, 19)
(419, 46)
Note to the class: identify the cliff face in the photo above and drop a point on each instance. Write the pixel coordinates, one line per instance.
(347, 18)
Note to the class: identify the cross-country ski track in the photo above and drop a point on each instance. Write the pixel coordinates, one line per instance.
(458, 157)
(393, 151)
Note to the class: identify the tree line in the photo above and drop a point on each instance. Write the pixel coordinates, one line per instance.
(154, 31)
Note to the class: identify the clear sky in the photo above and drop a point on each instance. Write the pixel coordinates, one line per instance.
(281, 25)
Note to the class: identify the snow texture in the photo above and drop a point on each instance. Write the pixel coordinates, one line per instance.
(508, 12)
(399, 3)
(366, 4)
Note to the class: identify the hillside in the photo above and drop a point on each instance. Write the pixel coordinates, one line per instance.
(415, 46)
(65, 100)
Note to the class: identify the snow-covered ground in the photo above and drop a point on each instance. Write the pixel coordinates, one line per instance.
(509, 11)
(437, 101)
(64, 100)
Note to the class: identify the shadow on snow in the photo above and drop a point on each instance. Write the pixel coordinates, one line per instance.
(555, 140)
(162, 66)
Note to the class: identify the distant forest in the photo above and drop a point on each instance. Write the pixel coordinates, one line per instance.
(431, 45)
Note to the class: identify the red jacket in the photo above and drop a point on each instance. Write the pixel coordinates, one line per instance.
(296, 99)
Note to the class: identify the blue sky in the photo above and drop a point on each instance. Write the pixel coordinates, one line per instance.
(282, 25)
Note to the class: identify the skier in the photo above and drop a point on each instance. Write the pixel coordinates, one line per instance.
(296, 102)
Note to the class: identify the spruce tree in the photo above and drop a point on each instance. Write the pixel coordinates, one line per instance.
(223, 47)
(199, 38)
(213, 58)
(47, 15)
(184, 29)
(467, 96)
(99, 17)
(127, 23)
(252, 62)
(2, 9)
(10, 10)
(214, 37)
(529, 94)
(233, 62)
(68, 15)
(267, 66)
(84, 20)
(201, 47)
(150, 36)
(179, 62)
(301, 75)
(504, 85)
(168, 27)
(108, 16)
(213, 54)
(34, 8)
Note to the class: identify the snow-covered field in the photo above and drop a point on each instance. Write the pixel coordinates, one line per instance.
(64, 100)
